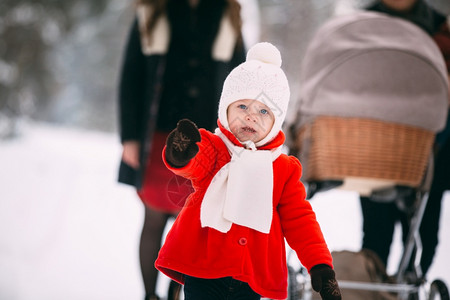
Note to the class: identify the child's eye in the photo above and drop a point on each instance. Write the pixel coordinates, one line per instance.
(264, 111)
(242, 106)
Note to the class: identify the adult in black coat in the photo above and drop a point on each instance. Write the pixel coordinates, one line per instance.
(379, 218)
(176, 59)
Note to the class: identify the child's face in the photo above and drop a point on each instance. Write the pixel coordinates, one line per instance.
(249, 120)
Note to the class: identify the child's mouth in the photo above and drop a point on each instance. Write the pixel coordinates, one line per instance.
(248, 129)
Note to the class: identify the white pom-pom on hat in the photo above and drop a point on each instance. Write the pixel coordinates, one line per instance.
(265, 52)
(260, 78)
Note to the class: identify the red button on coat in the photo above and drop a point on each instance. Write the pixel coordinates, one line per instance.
(242, 241)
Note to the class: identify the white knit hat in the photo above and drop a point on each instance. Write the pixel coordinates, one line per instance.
(260, 78)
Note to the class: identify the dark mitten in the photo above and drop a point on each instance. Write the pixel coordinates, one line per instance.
(181, 144)
(323, 280)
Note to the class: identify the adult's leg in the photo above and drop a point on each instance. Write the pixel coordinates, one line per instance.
(175, 291)
(378, 226)
(429, 228)
(150, 243)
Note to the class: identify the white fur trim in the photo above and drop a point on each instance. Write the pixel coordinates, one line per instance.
(159, 42)
(225, 41)
(222, 50)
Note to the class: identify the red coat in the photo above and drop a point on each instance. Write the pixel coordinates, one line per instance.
(243, 253)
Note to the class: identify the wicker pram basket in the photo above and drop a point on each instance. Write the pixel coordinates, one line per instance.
(336, 148)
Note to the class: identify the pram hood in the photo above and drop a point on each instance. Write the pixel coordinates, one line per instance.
(371, 65)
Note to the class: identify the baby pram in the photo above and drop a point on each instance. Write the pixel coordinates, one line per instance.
(374, 93)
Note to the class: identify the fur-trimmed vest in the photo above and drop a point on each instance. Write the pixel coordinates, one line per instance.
(223, 47)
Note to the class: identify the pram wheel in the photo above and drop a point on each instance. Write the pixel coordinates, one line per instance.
(299, 287)
(438, 290)
(294, 290)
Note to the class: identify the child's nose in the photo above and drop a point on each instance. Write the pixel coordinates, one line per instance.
(251, 117)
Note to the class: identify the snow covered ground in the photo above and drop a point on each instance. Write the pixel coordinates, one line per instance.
(69, 231)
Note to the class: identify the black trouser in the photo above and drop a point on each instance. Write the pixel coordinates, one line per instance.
(379, 218)
(225, 288)
(429, 228)
(379, 221)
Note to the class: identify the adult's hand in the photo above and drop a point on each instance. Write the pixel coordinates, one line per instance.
(130, 154)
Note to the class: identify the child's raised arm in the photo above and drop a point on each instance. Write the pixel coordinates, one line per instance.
(181, 144)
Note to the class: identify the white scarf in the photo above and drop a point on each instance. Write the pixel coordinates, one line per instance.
(241, 191)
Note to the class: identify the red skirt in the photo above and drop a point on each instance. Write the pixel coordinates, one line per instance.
(161, 189)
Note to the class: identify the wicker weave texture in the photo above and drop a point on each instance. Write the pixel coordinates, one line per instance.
(354, 147)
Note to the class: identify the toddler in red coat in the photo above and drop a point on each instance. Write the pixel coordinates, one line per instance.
(228, 242)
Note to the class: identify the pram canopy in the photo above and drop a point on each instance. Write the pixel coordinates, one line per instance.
(371, 65)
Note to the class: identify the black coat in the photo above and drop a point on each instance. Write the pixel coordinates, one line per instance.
(157, 90)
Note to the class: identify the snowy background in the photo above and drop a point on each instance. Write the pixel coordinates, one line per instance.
(68, 230)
